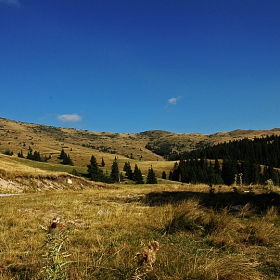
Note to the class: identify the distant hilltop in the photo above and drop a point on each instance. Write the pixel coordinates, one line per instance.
(16, 136)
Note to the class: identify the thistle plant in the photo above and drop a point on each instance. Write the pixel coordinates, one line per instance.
(145, 260)
(56, 257)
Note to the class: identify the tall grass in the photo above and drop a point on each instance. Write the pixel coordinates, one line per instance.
(109, 227)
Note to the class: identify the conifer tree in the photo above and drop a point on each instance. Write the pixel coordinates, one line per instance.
(93, 170)
(217, 167)
(170, 175)
(128, 170)
(255, 174)
(36, 156)
(137, 175)
(229, 170)
(62, 154)
(29, 154)
(67, 160)
(125, 166)
(151, 177)
(115, 175)
(175, 172)
(20, 154)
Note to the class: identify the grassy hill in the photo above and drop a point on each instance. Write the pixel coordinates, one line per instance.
(17, 136)
(104, 228)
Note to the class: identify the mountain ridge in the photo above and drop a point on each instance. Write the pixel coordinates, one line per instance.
(50, 140)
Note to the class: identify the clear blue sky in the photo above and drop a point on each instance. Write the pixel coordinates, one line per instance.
(134, 65)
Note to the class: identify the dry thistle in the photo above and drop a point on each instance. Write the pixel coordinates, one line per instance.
(146, 258)
(148, 254)
(54, 225)
(55, 257)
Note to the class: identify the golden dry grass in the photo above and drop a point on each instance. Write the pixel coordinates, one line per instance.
(107, 227)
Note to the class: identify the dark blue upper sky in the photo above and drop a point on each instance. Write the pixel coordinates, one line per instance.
(135, 65)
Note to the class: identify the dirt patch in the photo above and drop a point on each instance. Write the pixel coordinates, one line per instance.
(22, 184)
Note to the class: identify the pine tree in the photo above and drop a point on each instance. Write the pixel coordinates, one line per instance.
(125, 166)
(170, 175)
(67, 160)
(137, 175)
(128, 170)
(115, 175)
(175, 172)
(36, 156)
(229, 170)
(20, 154)
(151, 177)
(217, 167)
(255, 172)
(93, 170)
(62, 154)
(163, 175)
(102, 162)
(29, 154)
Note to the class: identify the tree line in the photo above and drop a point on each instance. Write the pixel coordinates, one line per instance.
(245, 161)
(226, 172)
(36, 156)
(264, 151)
(95, 173)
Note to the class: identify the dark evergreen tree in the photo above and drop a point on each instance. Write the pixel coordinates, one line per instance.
(115, 175)
(125, 166)
(36, 156)
(170, 175)
(29, 154)
(151, 177)
(217, 171)
(229, 170)
(102, 162)
(217, 167)
(163, 175)
(255, 174)
(20, 154)
(210, 176)
(137, 175)
(62, 154)
(8, 152)
(128, 170)
(67, 160)
(175, 172)
(93, 170)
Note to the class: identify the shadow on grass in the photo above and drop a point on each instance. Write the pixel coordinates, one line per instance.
(214, 200)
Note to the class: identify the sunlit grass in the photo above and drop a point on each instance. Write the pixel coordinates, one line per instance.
(109, 226)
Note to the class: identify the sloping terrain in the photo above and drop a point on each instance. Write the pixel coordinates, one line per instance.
(80, 145)
(191, 141)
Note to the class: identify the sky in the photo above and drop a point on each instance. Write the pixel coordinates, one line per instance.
(128, 66)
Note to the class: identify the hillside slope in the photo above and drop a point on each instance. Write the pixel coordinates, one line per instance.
(81, 144)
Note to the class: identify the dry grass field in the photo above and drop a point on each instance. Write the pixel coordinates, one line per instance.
(101, 230)
(60, 226)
